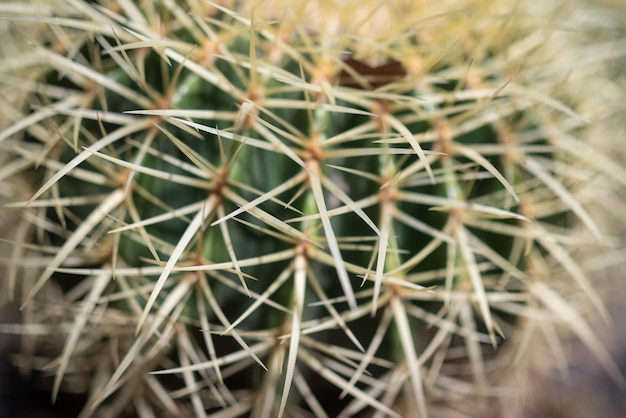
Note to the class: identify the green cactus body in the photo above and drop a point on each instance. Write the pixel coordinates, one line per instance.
(277, 213)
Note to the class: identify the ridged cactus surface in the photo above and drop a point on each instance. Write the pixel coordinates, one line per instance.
(305, 208)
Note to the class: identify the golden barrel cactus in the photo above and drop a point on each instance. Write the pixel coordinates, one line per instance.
(303, 208)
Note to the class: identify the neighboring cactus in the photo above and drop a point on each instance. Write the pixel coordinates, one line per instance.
(283, 203)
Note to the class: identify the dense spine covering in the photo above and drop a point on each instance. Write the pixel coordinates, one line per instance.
(282, 204)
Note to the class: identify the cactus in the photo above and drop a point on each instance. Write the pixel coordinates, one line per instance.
(297, 208)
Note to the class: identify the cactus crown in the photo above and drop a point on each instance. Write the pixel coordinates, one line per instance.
(272, 200)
